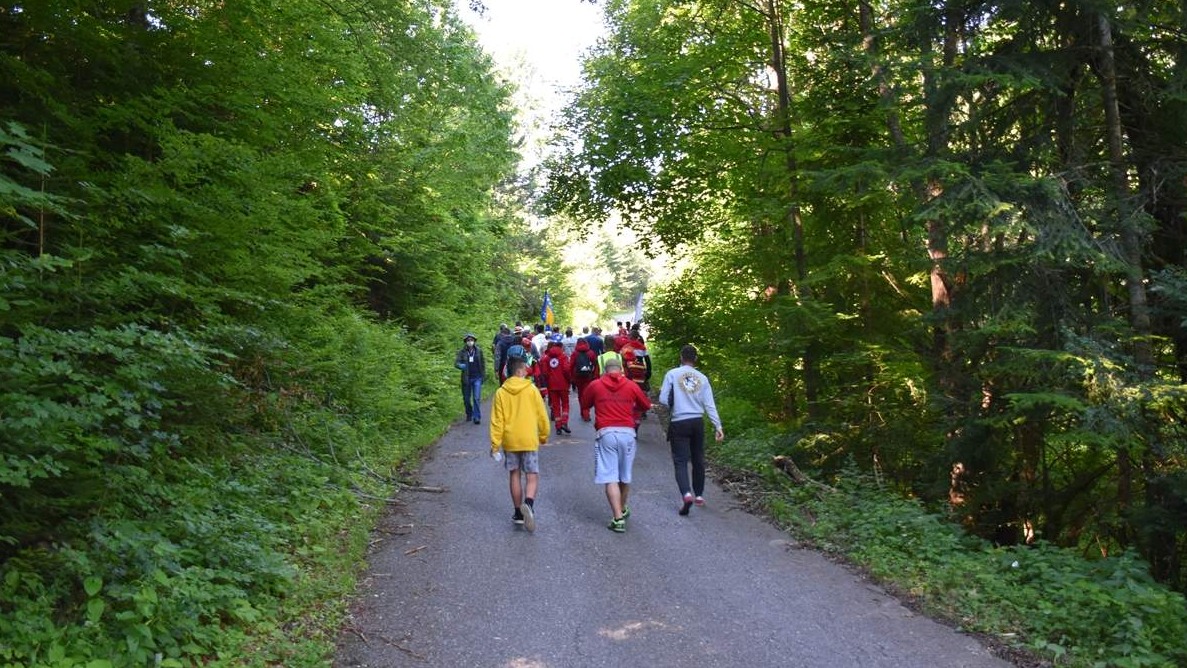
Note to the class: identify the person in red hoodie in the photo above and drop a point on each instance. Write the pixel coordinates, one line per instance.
(554, 368)
(614, 400)
(583, 367)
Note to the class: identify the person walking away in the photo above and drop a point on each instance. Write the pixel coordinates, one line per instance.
(638, 368)
(569, 341)
(532, 356)
(614, 400)
(518, 427)
(583, 366)
(506, 340)
(539, 342)
(688, 396)
(472, 364)
(605, 357)
(556, 375)
(596, 342)
(635, 371)
(494, 346)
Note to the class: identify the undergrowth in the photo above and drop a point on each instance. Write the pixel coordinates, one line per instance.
(1068, 609)
(228, 533)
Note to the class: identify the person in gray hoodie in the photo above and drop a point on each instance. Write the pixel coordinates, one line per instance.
(688, 396)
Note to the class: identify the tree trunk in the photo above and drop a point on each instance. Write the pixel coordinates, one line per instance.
(1131, 246)
(793, 218)
(1131, 241)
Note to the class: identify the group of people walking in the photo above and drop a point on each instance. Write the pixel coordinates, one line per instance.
(611, 375)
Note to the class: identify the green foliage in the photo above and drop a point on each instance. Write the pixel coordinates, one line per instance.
(231, 280)
(1076, 611)
(935, 253)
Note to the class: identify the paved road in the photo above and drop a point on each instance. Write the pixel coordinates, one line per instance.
(452, 583)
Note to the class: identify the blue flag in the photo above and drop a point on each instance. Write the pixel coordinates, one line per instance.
(546, 309)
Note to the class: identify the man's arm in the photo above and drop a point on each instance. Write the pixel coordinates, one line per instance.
(711, 409)
(641, 398)
(665, 389)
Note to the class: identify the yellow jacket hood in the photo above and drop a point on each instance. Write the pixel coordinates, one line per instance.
(519, 419)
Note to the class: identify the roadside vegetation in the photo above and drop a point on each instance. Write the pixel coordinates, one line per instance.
(1059, 606)
(933, 253)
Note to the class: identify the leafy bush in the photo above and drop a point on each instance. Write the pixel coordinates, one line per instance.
(1081, 612)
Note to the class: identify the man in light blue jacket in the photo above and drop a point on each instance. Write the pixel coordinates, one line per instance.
(689, 398)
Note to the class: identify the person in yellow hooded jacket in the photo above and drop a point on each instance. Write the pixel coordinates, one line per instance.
(519, 425)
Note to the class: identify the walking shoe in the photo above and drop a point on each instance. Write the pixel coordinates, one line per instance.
(567, 430)
(618, 525)
(687, 504)
(700, 501)
(477, 421)
(517, 518)
(626, 512)
(529, 517)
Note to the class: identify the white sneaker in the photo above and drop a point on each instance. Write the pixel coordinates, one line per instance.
(529, 517)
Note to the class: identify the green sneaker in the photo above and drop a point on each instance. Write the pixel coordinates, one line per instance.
(618, 525)
(626, 512)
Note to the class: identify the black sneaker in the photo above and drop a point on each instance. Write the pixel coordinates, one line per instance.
(517, 518)
(687, 504)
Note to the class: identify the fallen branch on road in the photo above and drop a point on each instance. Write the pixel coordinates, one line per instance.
(402, 648)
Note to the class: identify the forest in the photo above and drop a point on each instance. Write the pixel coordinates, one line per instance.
(938, 246)
(932, 253)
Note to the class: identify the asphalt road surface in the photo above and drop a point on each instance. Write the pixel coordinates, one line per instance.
(453, 583)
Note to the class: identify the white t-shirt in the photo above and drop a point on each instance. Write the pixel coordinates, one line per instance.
(570, 344)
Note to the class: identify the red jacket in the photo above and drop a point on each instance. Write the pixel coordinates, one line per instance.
(614, 399)
(582, 349)
(554, 367)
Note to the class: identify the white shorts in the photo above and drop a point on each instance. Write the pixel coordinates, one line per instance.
(614, 456)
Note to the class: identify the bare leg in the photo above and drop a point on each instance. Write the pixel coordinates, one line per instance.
(533, 483)
(624, 491)
(614, 496)
(516, 488)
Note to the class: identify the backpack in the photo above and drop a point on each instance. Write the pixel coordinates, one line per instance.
(635, 365)
(585, 366)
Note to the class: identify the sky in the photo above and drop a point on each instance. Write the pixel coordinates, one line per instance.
(537, 44)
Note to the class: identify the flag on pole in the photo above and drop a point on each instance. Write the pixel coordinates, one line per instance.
(546, 309)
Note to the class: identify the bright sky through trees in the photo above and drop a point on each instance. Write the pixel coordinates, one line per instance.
(538, 44)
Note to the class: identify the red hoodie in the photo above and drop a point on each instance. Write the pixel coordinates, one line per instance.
(614, 399)
(555, 367)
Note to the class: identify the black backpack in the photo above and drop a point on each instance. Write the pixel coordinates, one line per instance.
(585, 366)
